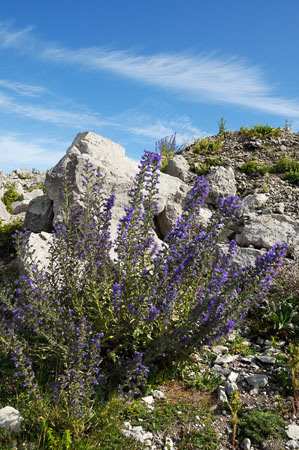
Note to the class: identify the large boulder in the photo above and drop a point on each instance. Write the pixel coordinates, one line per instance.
(118, 173)
(222, 183)
(39, 215)
(265, 230)
(178, 167)
(30, 195)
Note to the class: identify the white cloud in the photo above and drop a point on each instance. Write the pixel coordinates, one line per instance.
(10, 38)
(156, 128)
(27, 90)
(31, 152)
(199, 77)
(57, 116)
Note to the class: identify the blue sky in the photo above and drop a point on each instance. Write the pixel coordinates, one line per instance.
(136, 71)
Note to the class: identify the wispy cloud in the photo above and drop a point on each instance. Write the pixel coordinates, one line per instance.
(145, 125)
(27, 90)
(13, 38)
(32, 152)
(198, 77)
(53, 115)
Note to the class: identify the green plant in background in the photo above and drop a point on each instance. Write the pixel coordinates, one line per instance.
(7, 231)
(197, 376)
(222, 126)
(41, 186)
(261, 425)
(289, 167)
(252, 167)
(288, 125)
(205, 146)
(286, 164)
(10, 196)
(279, 318)
(172, 417)
(167, 147)
(288, 376)
(261, 131)
(278, 315)
(238, 346)
(234, 406)
(204, 167)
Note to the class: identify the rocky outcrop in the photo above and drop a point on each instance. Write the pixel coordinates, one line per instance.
(118, 172)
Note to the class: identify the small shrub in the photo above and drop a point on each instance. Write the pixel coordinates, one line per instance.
(222, 126)
(203, 168)
(261, 131)
(261, 425)
(254, 167)
(292, 176)
(205, 146)
(285, 165)
(167, 148)
(10, 196)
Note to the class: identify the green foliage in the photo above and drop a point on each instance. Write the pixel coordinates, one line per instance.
(253, 167)
(288, 376)
(222, 126)
(292, 176)
(286, 164)
(261, 131)
(10, 196)
(166, 147)
(261, 425)
(235, 406)
(205, 146)
(279, 318)
(203, 168)
(6, 236)
(290, 168)
(196, 376)
(41, 186)
(175, 418)
(238, 347)
(278, 315)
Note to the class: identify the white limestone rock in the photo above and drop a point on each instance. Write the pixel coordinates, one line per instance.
(293, 432)
(4, 214)
(254, 201)
(32, 194)
(222, 182)
(10, 419)
(265, 230)
(118, 172)
(178, 167)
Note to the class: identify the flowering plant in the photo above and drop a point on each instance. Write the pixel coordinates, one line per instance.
(106, 312)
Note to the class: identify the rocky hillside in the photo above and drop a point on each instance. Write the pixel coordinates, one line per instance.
(259, 161)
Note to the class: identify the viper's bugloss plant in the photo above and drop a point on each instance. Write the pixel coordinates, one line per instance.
(104, 313)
